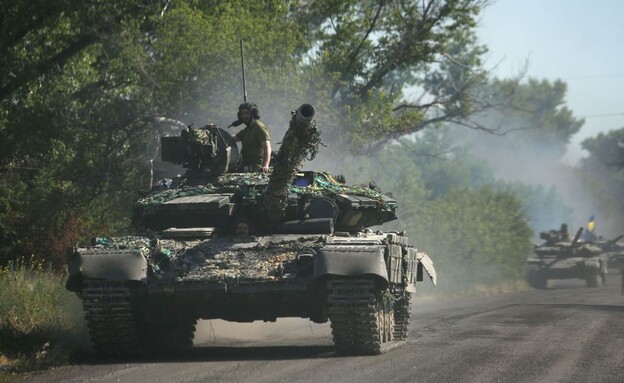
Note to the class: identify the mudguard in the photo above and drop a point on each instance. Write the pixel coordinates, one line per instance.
(351, 261)
(427, 264)
(107, 264)
(418, 263)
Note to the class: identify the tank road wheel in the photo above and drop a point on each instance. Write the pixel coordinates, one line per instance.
(401, 314)
(362, 318)
(110, 318)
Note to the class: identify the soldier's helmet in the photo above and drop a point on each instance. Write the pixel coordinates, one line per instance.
(252, 107)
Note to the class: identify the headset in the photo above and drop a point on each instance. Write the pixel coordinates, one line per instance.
(251, 106)
(255, 113)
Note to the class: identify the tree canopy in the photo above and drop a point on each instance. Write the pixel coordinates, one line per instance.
(87, 87)
(603, 174)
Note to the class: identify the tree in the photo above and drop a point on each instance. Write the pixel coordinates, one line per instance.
(482, 235)
(532, 117)
(603, 175)
(370, 51)
(606, 149)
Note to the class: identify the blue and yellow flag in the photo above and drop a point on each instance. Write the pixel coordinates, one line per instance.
(591, 225)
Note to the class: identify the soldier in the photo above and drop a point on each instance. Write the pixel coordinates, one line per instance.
(256, 149)
(564, 232)
(242, 229)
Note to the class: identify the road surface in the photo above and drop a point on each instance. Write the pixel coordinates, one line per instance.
(567, 333)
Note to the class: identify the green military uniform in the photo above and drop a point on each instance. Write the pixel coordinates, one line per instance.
(253, 138)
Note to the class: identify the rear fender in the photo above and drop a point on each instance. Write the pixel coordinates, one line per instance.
(418, 263)
(426, 263)
(107, 264)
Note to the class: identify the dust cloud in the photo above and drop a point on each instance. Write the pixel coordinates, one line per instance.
(535, 165)
(283, 331)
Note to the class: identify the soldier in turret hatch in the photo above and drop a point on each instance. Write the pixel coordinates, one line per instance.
(564, 232)
(256, 143)
(242, 229)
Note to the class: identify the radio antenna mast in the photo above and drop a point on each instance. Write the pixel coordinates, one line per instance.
(243, 69)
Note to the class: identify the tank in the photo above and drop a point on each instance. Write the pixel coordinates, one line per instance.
(219, 244)
(561, 258)
(613, 250)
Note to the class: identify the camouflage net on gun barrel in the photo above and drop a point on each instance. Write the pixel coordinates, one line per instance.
(301, 141)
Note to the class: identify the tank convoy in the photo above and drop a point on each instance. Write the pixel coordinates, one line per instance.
(560, 257)
(613, 249)
(220, 244)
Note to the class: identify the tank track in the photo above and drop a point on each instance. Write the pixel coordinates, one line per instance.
(362, 321)
(402, 311)
(110, 319)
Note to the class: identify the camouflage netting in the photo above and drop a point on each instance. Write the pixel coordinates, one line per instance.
(218, 259)
(199, 136)
(227, 183)
(324, 186)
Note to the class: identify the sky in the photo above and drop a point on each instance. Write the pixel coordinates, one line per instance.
(577, 41)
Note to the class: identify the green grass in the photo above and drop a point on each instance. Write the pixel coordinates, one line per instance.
(41, 323)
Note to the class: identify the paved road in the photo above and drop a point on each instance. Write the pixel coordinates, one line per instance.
(567, 333)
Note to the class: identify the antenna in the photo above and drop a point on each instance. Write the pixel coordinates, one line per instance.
(243, 69)
(238, 122)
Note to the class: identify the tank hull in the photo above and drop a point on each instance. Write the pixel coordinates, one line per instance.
(346, 280)
(541, 269)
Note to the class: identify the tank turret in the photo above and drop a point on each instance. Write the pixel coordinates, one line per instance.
(212, 193)
(613, 248)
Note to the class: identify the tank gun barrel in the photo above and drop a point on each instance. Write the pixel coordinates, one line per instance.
(612, 242)
(577, 237)
(304, 116)
(301, 140)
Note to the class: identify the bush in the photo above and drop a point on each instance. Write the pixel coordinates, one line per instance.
(40, 322)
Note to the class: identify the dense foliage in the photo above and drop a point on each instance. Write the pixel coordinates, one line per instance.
(603, 174)
(86, 88)
(83, 89)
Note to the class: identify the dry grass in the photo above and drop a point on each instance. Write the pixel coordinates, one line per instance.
(40, 322)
